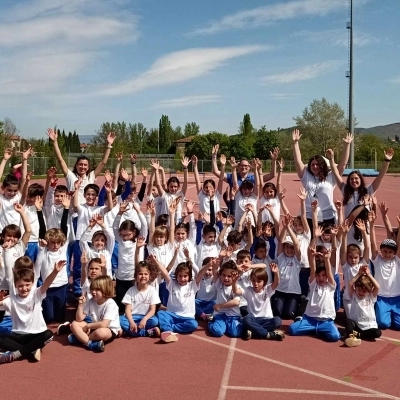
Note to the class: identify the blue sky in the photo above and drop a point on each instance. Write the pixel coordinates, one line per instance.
(78, 63)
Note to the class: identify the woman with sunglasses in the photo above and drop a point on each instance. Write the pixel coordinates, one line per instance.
(82, 165)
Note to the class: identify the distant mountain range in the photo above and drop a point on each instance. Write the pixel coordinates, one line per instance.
(383, 131)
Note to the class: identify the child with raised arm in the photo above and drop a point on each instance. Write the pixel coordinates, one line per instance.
(226, 318)
(179, 316)
(103, 311)
(205, 298)
(260, 323)
(387, 275)
(29, 331)
(140, 306)
(320, 313)
(287, 295)
(361, 322)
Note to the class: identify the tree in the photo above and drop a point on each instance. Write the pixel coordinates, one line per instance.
(264, 143)
(365, 147)
(191, 129)
(246, 127)
(324, 124)
(201, 145)
(9, 127)
(240, 148)
(165, 132)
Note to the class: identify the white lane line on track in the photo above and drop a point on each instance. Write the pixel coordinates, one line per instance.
(227, 370)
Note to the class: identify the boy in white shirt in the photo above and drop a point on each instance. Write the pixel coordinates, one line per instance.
(205, 298)
(29, 333)
(320, 312)
(361, 321)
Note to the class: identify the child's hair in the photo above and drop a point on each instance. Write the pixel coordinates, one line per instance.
(210, 181)
(298, 219)
(206, 261)
(129, 225)
(234, 237)
(228, 265)
(270, 185)
(348, 191)
(270, 225)
(142, 265)
(260, 275)
(36, 189)
(23, 274)
(99, 234)
(104, 284)
(260, 244)
(75, 170)
(153, 270)
(184, 267)
(173, 179)
(55, 235)
(183, 225)
(23, 262)
(92, 186)
(162, 219)
(363, 215)
(320, 267)
(209, 229)
(319, 248)
(246, 184)
(355, 248)
(160, 231)
(365, 283)
(326, 228)
(10, 230)
(10, 179)
(243, 254)
(245, 231)
(323, 167)
(61, 189)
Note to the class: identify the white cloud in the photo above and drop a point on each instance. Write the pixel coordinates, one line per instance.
(187, 101)
(282, 96)
(395, 80)
(265, 15)
(337, 37)
(181, 66)
(303, 73)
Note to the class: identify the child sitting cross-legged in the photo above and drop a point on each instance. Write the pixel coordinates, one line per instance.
(259, 323)
(320, 312)
(361, 321)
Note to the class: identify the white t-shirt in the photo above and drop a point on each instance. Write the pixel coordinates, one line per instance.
(86, 289)
(31, 213)
(9, 256)
(349, 272)
(182, 258)
(26, 313)
(99, 312)
(240, 204)
(267, 261)
(158, 202)
(181, 300)
(259, 304)
(85, 214)
(225, 294)
(8, 215)
(205, 250)
(162, 253)
(289, 270)
(328, 246)
(71, 178)
(387, 274)
(206, 289)
(141, 300)
(166, 198)
(304, 240)
(321, 303)
(204, 202)
(362, 311)
(354, 200)
(321, 191)
(275, 203)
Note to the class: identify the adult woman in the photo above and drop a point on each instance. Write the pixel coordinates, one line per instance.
(318, 182)
(355, 191)
(82, 165)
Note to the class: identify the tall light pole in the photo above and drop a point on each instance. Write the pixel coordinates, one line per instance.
(349, 74)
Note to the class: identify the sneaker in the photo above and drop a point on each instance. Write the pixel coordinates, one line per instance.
(247, 335)
(36, 355)
(153, 332)
(299, 318)
(276, 335)
(209, 317)
(6, 357)
(169, 337)
(96, 345)
(352, 341)
(73, 340)
(64, 328)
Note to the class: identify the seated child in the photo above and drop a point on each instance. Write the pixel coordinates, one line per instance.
(205, 298)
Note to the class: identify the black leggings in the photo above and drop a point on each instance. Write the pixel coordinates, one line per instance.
(367, 334)
(25, 343)
(121, 287)
(285, 305)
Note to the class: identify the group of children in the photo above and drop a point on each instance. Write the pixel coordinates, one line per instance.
(150, 268)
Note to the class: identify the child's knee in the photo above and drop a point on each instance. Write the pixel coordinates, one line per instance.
(216, 330)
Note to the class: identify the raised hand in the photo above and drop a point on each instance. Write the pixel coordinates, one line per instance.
(59, 265)
(29, 175)
(282, 194)
(78, 184)
(190, 206)
(318, 231)
(123, 207)
(383, 208)
(345, 226)
(194, 160)
(230, 220)
(360, 224)
(389, 154)
(314, 205)
(335, 230)
(233, 162)
(82, 300)
(303, 194)
(151, 207)
(330, 154)
(154, 164)
(338, 204)
(27, 153)
(141, 242)
(42, 242)
(275, 153)
(52, 134)
(7, 154)
(84, 258)
(18, 208)
(222, 159)
(215, 150)
(108, 176)
(123, 173)
(235, 275)
(144, 172)
(99, 219)
(281, 164)
(111, 137)
(53, 181)
(92, 222)
(186, 253)
(119, 156)
(133, 158)
(172, 206)
(274, 268)
(185, 161)
(51, 172)
(349, 138)
(296, 136)
(371, 217)
(39, 203)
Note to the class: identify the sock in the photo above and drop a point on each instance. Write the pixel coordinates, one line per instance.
(88, 343)
(203, 316)
(17, 355)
